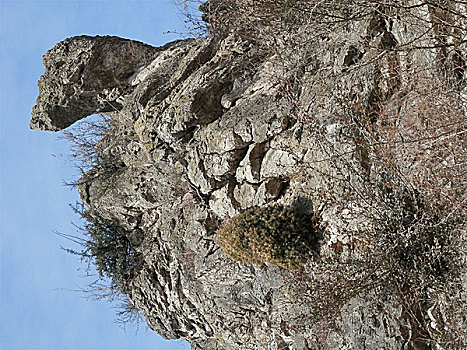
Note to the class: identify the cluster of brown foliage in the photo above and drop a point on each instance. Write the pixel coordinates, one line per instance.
(278, 235)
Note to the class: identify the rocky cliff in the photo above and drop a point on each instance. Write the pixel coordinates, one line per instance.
(328, 116)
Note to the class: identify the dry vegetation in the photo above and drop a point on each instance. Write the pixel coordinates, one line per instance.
(410, 140)
(276, 234)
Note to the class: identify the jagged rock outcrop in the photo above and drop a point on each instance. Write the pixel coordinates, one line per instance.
(203, 129)
(86, 75)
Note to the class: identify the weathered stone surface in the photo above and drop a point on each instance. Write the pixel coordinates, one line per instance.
(86, 75)
(203, 132)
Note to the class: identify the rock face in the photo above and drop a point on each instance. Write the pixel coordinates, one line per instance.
(203, 129)
(86, 75)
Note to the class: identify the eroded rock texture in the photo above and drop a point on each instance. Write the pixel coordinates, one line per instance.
(203, 129)
(86, 75)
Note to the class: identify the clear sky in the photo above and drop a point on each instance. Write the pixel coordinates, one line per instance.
(38, 308)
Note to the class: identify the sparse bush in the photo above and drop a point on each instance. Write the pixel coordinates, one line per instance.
(420, 251)
(93, 152)
(128, 313)
(418, 242)
(107, 246)
(104, 244)
(84, 138)
(274, 234)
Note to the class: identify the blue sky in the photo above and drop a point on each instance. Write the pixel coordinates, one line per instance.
(38, 308)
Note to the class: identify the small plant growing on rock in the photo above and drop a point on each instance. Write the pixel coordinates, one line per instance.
(276, 234)
(108, 247)
(111, 251)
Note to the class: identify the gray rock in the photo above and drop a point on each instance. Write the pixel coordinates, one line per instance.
(86, 75)
(202, 133)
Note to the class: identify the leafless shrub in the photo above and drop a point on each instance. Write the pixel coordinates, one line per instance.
(84, 138)
(102, 243)
(128, 313)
